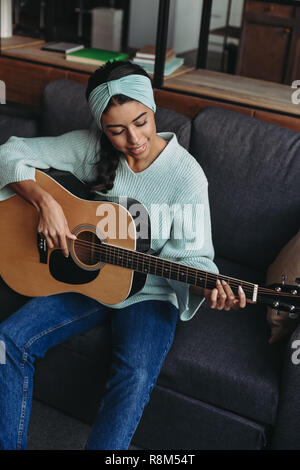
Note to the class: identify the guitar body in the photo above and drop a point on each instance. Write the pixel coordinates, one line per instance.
(30, 268)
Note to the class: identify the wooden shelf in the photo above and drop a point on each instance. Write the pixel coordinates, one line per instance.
(34, 53)
(268, 96)
(19, 41)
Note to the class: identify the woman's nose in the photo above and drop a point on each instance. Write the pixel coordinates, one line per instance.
(133, 137)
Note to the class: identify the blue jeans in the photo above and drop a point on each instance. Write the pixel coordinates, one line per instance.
(142, 335)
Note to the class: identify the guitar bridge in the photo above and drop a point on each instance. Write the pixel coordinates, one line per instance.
(42, 248)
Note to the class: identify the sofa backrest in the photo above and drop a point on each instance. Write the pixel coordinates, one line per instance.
(15, 122)
(64, 108)
(253, 169)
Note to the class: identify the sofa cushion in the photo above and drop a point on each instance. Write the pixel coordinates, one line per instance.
(17, 126)
(181, 422)
(64, 109)
(253, 171)
(223, 357)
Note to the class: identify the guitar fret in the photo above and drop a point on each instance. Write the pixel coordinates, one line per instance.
(168, 269)
(147, 264)
(115, 255)
(141, 259)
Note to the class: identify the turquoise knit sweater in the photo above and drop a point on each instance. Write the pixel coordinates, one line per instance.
(174, 180)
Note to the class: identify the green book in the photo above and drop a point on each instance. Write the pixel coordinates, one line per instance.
(94, 56)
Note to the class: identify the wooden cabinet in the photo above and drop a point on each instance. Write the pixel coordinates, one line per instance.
(265, 51)
(271, 9)
(269, 42)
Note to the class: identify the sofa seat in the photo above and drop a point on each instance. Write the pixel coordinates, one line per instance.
(220, 358)
(223, 358)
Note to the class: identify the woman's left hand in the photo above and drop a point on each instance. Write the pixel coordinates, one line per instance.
(222, 297)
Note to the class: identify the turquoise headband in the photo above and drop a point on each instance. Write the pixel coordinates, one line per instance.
(137, 87)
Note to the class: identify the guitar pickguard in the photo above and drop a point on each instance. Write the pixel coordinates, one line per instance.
(66, 270)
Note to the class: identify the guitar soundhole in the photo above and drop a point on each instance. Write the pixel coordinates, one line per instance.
(87, 248)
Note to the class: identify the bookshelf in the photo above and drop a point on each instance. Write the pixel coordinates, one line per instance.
(26, 69)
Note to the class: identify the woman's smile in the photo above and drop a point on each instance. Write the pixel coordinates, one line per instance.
(138, 150)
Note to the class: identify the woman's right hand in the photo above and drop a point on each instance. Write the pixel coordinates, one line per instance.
(54, 227)
(52, 223)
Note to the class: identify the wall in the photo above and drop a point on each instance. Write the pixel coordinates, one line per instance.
(184, 22)
(143, 23)
(186, 25)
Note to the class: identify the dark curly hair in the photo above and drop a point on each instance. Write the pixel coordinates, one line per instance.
(109, 157)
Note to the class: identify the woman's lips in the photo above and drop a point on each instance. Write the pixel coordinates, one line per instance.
(138, 150)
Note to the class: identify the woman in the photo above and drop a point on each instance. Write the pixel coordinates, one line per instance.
(131, 160)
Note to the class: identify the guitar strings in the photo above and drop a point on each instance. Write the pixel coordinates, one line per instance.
(209, 278)
(152, 262)
(110, 250)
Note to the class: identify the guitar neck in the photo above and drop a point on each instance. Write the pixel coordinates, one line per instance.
(150, 264)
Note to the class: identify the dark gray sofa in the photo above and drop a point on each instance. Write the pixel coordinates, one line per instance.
(222, 385)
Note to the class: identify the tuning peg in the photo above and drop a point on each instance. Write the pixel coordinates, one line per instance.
(291, 312)
(283, 279)
(275, 306)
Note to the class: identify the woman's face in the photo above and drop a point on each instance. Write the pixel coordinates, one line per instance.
(131, 129)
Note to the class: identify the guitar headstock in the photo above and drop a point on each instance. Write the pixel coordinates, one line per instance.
(282, 297)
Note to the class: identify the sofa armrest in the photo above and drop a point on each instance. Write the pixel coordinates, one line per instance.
(287, 429)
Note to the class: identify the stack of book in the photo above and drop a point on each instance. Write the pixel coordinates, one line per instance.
(145, 57)
(95, 56)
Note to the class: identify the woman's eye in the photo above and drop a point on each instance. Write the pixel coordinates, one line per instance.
(142, 124)
(117, 133)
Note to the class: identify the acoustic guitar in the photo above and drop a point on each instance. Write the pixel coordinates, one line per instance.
(108, 267)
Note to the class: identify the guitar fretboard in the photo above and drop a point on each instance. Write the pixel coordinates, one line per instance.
(149, 264)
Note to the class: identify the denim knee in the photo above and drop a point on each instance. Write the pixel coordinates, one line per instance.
(6, 334)
(136, 379)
